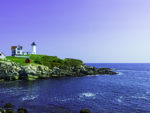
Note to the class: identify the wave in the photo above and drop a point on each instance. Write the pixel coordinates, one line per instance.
(92, 75)
(6, 91)
(87, 95)
(67, 99)
(120, 99)
(62, 99)
(29, 97)
(120, 73)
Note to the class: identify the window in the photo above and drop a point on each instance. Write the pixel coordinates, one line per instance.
(18, 48)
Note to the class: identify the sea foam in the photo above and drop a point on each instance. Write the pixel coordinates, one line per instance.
(29, 97)
(87, 95)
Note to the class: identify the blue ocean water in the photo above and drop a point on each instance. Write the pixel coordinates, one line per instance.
(127, 92)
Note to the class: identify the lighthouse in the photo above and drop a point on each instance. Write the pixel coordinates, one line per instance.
(33, 48)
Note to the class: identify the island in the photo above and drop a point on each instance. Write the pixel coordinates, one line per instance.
(32, 67)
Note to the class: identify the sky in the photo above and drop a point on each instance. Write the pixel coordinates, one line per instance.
(95, 31)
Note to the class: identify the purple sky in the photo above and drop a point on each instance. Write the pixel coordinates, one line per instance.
(91, 30)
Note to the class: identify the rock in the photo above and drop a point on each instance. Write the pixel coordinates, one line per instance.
(10, 71)
(8, 105)
(11, 78)
(43, 76)
(2, 110)
(2, 101)
(85, 111)
(22, 110)
(37, 71)
(55, 76)
(10, 111)
(23, 75)
(32, 77)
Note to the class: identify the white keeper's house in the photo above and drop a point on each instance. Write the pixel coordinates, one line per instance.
(18, 50)
(2, 55)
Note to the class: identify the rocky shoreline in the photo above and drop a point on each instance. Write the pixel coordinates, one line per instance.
(10, 71)
(9, 108)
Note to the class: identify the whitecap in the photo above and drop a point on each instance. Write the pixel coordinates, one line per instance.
(120, 73)
(87, 95)
(120, 99)
(140, 97)
(29, 97)
(143, 98)
(67, 99)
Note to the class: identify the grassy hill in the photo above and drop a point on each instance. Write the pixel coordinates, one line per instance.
(50, 61)
(21, 60)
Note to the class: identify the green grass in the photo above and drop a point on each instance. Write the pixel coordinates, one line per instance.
(50, 61)
(36, 57)
(2, 59)
(21, 60)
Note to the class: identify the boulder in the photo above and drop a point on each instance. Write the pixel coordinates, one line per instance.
(2, 101)
(10, 111)
(85, 111)
(2, 110)
(8, 105)
(22, 110)
(9, 70)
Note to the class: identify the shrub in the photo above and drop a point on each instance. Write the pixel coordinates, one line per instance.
(51, 61)
(73, 62)
(27, 60)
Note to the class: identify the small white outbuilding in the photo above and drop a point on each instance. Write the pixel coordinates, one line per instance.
(2, 56)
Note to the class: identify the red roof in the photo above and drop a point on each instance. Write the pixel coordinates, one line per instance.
(14, 47)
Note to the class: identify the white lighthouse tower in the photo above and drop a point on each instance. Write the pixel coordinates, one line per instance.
(33, 48)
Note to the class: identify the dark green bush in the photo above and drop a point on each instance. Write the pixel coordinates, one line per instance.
(73, 62)
(54, 61)
(51, 61)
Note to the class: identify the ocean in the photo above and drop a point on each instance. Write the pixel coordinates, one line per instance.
(127, 92)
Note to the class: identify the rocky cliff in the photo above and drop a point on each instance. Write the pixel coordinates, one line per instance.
(13, 71)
